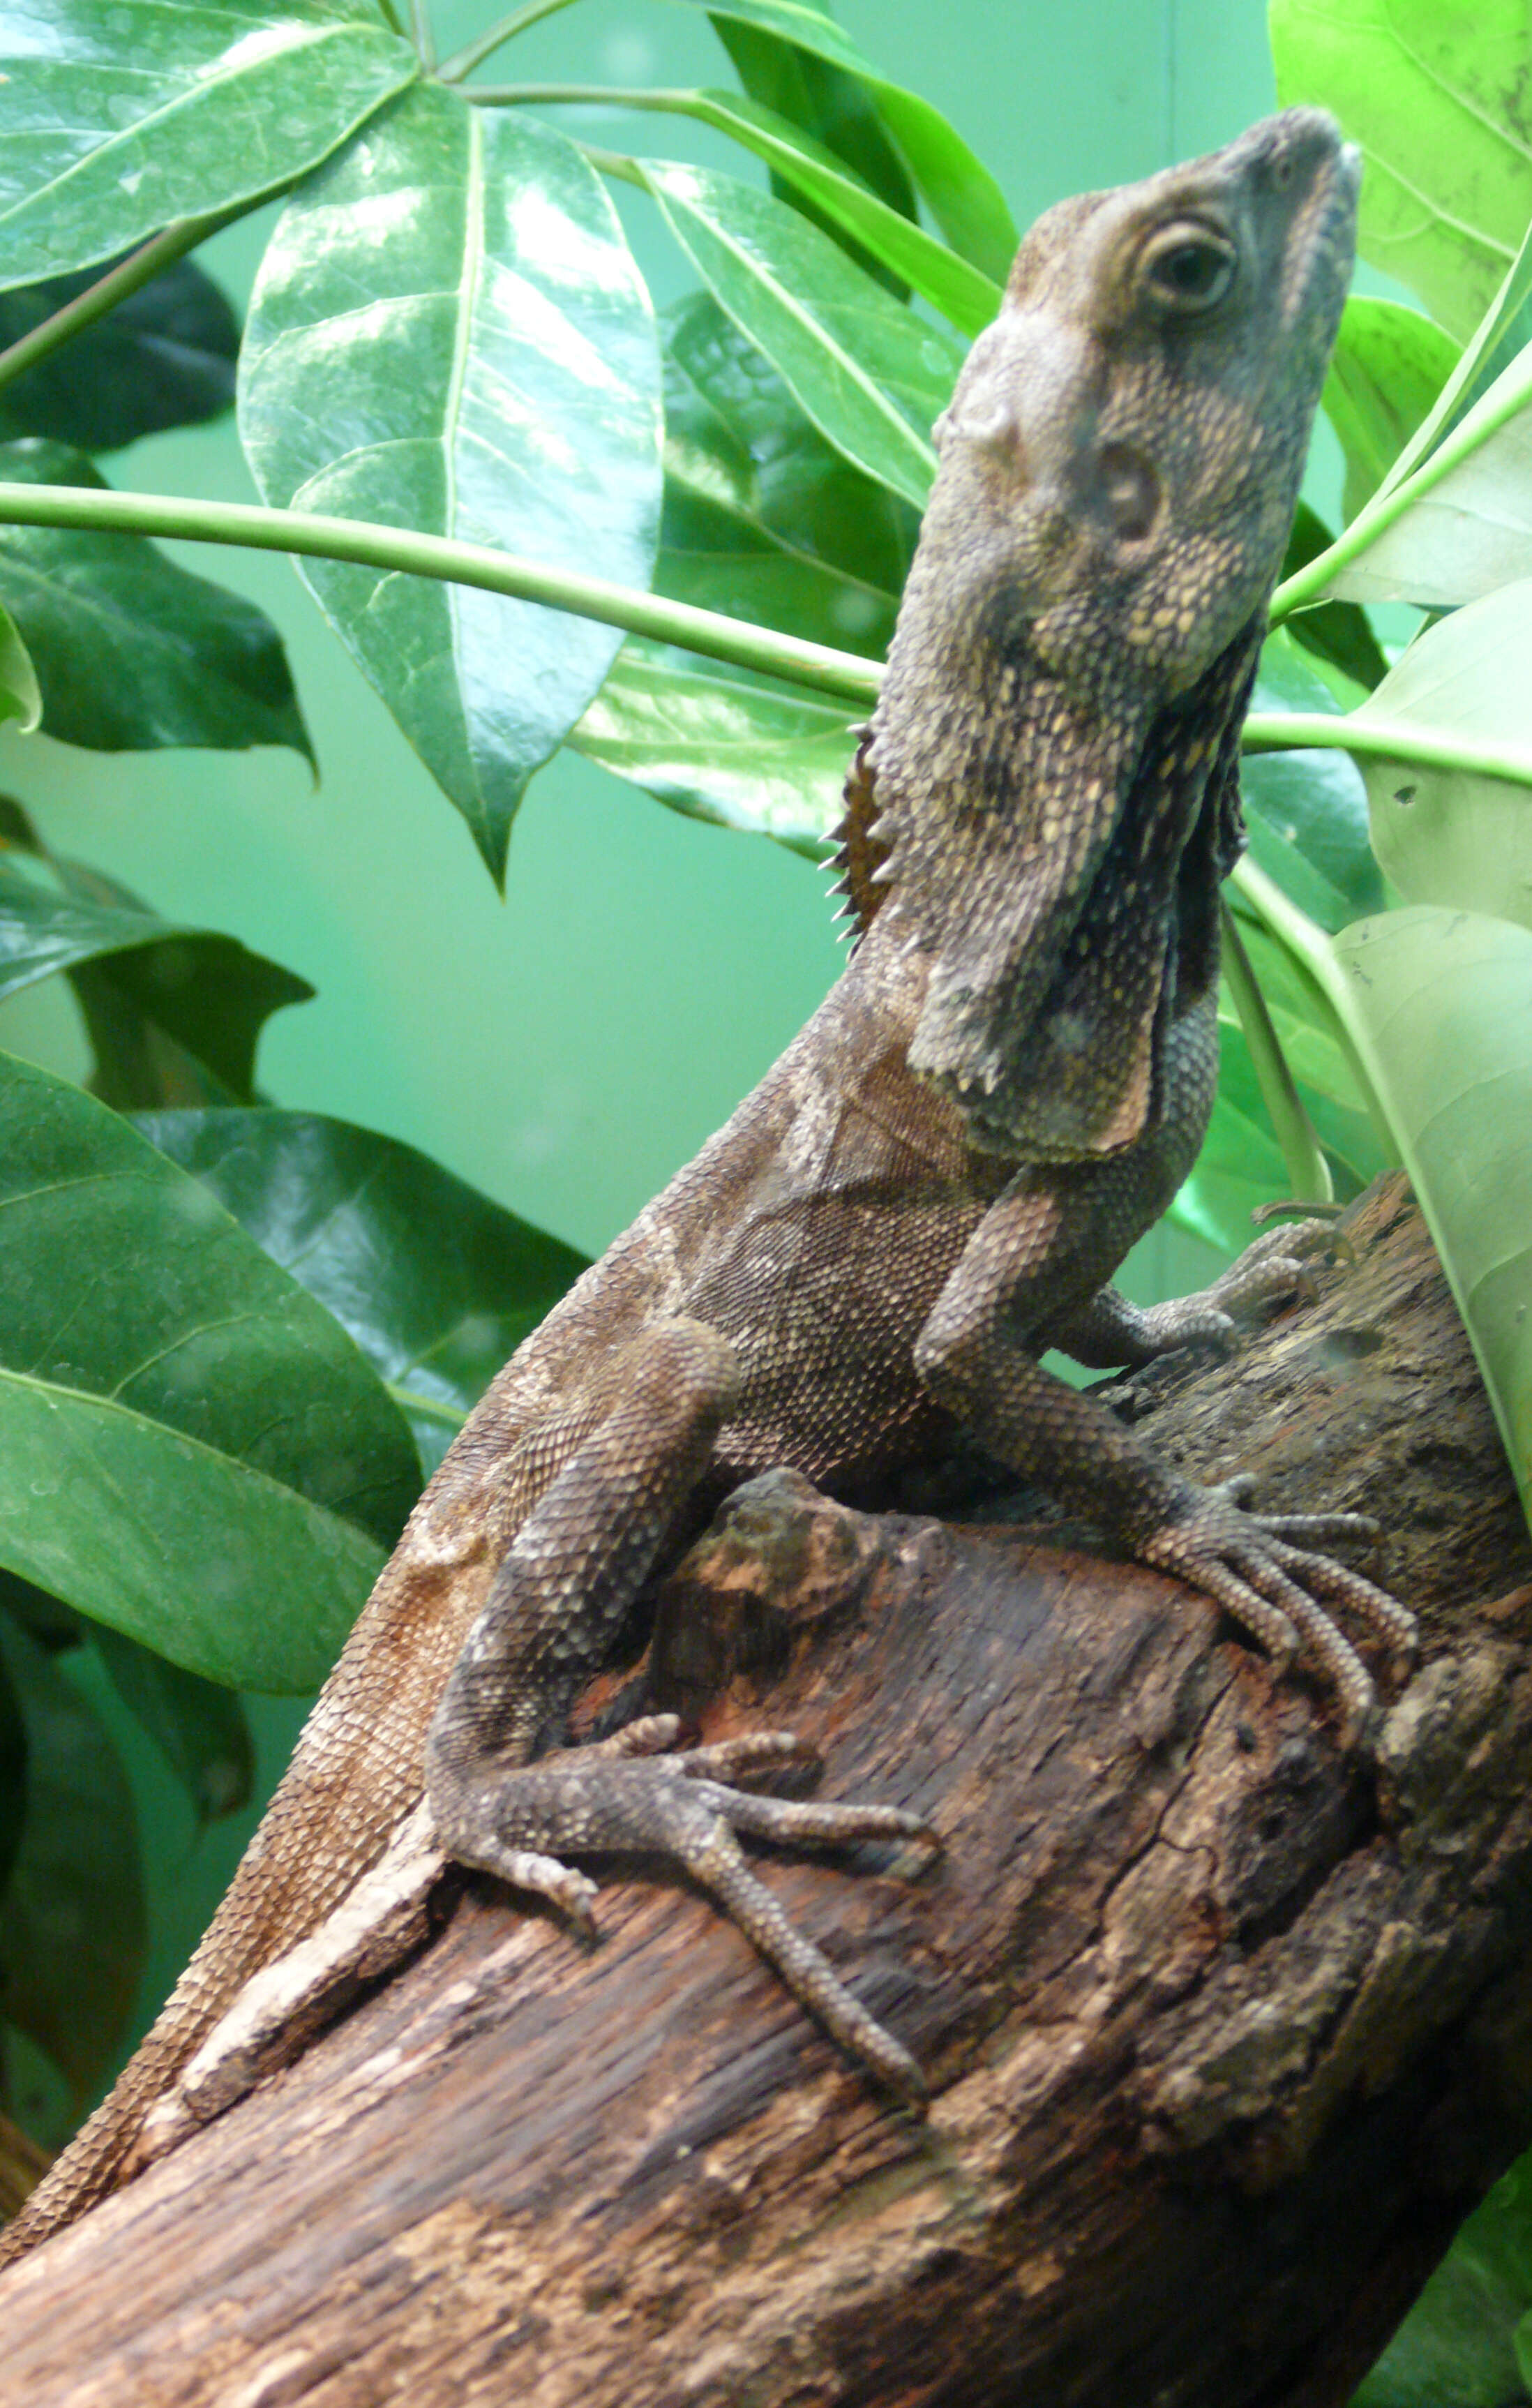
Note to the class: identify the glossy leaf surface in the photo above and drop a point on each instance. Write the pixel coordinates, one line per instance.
(199, 1728)
(1440, 1006)
(72, 1924)
(761, 517)
(121, 115)
(1388, 367)
(448, 334)
(870, 377)
(437, 1284)
(205, 991)
(164, 357)
(965, 201)
(21, 695)
(1434, 98)
(131, 651)
(718, 748)
(888, 239)
(1445, 835)
(196, 1453)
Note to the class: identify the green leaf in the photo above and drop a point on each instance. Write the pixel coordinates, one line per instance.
(1388, 366)
(1307, 811)
(437, 1284)
(1438, 1004)
(1462, 523)
(131, 651)
(196, 1453)
(1439, 110)
(883, 238)
(203, 991)
(73, 1931)
(867, 373)
(1239, 1168)
(1456, 2344)
(1444, 833)
(761, 517)
(965, 201)
(715, 748)
(21, 697)
(122, 115)
(164, 357)
(830, 106)
(1336, 633)
(199, 1728)
(449, 333)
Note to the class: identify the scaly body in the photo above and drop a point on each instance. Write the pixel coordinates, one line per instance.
(935, 1182)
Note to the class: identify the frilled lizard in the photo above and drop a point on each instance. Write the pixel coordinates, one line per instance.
(935, 1182)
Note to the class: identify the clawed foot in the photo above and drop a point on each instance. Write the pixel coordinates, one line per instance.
(630, 1792)
(1273, 1270)
(1261, 1567)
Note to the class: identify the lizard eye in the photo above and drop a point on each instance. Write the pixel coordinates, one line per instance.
(1188, 269)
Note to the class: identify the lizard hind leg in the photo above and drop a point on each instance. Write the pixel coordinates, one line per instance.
(561, 1591)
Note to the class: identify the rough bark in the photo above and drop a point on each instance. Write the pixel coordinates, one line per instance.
(1225, 2033)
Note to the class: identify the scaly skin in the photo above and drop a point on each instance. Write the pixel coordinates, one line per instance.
(938, 1177)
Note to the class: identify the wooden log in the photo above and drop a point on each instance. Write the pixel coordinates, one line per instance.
(1225, 2032)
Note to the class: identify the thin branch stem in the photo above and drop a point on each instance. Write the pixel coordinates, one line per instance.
(1506, 396)
(390, 18)
(464, 62)
(845, 675)
(130, 275)
(1377, 738)
(550, 96)
(1302, 1153)
(425, 37)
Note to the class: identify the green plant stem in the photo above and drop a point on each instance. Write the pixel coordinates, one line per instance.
(1377, 738)
(390, 18)
(464, 62)
(1302, 1153)
(424, 38)
(1311, 951)
(846, 675)
(1509, 395)
(130, 275)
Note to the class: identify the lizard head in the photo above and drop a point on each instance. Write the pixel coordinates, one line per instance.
(1119, 467)
(1126, 441)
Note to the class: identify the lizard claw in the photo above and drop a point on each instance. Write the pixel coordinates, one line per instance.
(1259, 1569)
(621, 1795)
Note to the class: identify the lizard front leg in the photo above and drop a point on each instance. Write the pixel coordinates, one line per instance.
(1009, 1296)
(561, 1591)
(1110, 1332)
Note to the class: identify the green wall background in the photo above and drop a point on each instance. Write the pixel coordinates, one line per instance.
(568, 1047)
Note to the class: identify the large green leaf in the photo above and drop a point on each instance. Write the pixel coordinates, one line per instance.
(449, 333)
(121, 115)
(164, 357)
(830, 106)
(716, 748)
(763, 517)
(871, 376)
(437, 1284)
(21, 695)
(199, 1728)
(73, 1930)
(1439, 1005)
(969, 299)
(1444, 833)
(195, 1451)
(1337, 634)
(1456, 2344)
(1434, 92)
(965, 201)
(1462, 523)
(1388, 367)
(131, 651)
(203, 990)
